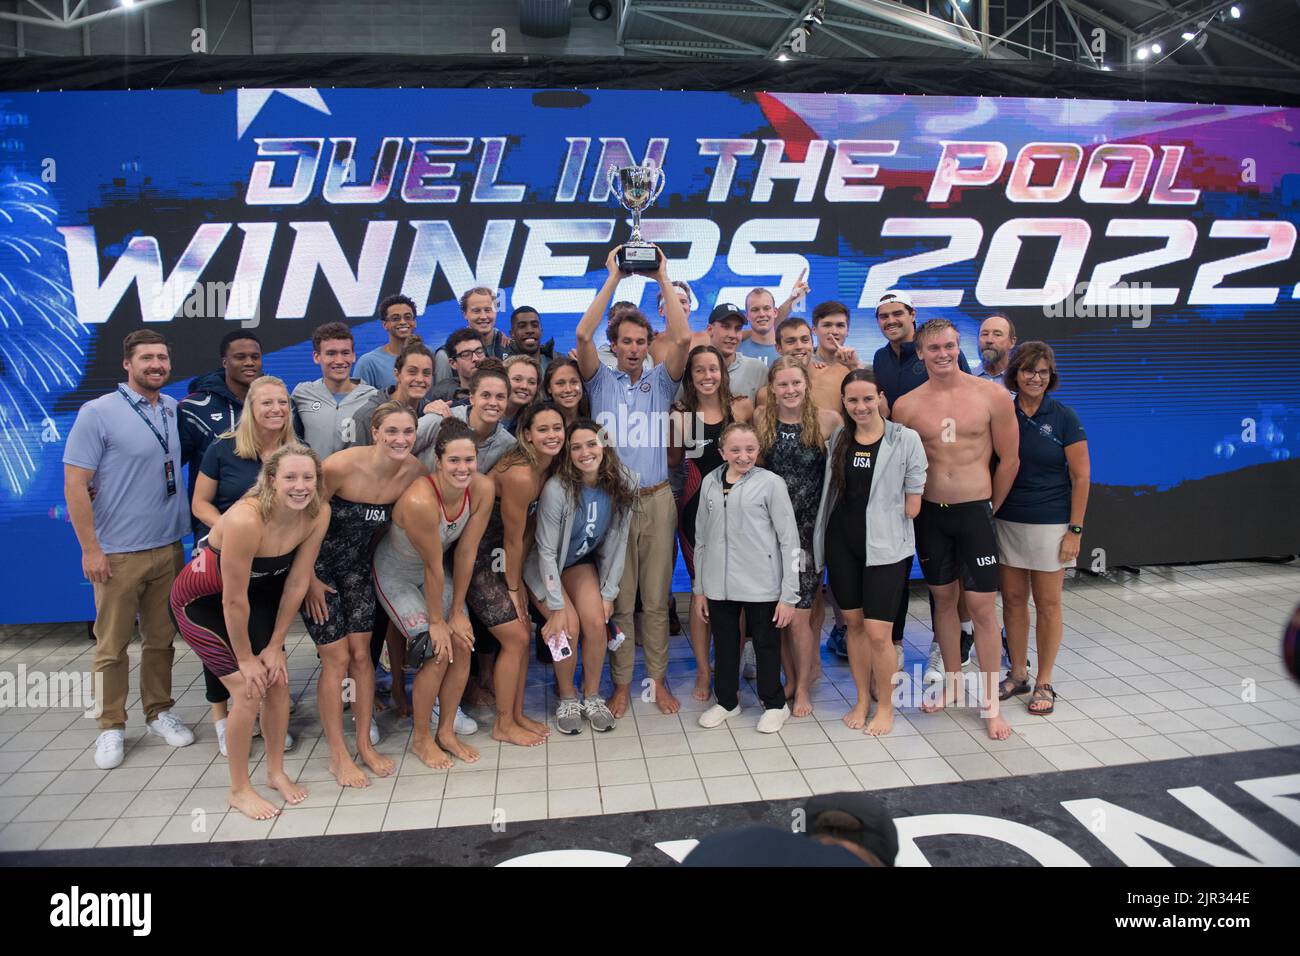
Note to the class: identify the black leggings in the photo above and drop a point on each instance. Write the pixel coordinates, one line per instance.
(724, 619)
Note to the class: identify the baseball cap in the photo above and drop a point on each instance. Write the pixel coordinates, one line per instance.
(875, 830)
(724, 312)
(896, 295)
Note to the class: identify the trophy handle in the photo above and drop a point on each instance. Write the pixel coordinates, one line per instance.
(614, 183)
(659, 184)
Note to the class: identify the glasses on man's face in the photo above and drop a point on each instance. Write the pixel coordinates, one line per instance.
(471, 353)
(1043, 373)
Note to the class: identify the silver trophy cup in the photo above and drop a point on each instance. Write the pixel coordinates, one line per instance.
(636, 188)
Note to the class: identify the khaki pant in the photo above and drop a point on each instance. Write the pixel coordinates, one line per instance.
(649, 567)
(141, 584)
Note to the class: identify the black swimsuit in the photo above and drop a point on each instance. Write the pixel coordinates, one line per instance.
(344, 564)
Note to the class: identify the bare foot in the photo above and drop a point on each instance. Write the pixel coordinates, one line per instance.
(933, 701)
(532, 726)
(855, 718)
(251, 804)
(701, 689)
(458, 748)
(998, 728)
(430, 754)
(292, 793)
(619, 700)
(882, 723)
(512, 733)
(347, 773)
(379, 765)
(802, 705)
(664, 699)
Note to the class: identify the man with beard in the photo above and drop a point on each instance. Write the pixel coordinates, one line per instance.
(121, 468)
(997, 339)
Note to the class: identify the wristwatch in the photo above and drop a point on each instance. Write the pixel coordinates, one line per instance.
(1076, 528)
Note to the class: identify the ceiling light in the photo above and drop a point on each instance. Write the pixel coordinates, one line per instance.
(1187, 35)
(1156, 49)
(1235, 11)
(600, 9)
(782, 57)
(1142, 53)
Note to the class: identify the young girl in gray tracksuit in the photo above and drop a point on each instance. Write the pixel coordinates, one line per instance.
(575, 567)
(747, 558)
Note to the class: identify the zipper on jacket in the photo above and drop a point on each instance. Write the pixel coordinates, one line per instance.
(726, 538)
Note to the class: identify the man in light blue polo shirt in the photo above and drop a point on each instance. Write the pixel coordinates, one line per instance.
(632, 405)
(126, 498)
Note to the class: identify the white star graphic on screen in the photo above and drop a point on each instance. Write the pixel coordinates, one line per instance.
(250, 102)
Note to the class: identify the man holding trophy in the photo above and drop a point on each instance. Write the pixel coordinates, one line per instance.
(632, 405)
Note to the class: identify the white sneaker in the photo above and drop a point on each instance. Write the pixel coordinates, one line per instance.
(110, 748)
(898, 648)
(289, 741)
(934, 666)
(715, 715)
(221, 736)
(773, 720)
(463, 726)
(374, 733)
(748, 663)
(169, 727)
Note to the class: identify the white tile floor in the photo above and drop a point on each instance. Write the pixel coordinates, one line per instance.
(1174, 663)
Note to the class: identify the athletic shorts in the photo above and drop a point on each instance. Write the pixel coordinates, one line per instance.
(952, 539)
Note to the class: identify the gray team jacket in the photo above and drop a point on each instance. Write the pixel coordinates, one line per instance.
(324, 426)
(746, 544)
(489, 452)
(545, 562)
(898, 470)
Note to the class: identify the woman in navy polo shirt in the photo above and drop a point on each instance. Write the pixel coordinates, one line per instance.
(1041, 521)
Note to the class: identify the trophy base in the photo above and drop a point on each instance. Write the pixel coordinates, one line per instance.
(641, 257)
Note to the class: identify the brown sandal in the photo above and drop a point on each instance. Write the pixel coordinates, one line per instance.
(1010, 686)
(1040, 695)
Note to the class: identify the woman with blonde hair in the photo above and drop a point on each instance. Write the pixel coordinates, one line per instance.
(792, 434)
(233, 604)
(229, 468)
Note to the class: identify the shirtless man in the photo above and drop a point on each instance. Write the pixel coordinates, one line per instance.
(963, 421)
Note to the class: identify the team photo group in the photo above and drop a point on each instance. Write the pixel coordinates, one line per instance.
(441, 512)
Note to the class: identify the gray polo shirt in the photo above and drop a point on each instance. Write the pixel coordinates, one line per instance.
(132, 510)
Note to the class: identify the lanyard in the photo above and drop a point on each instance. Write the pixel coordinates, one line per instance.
(162, 439)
